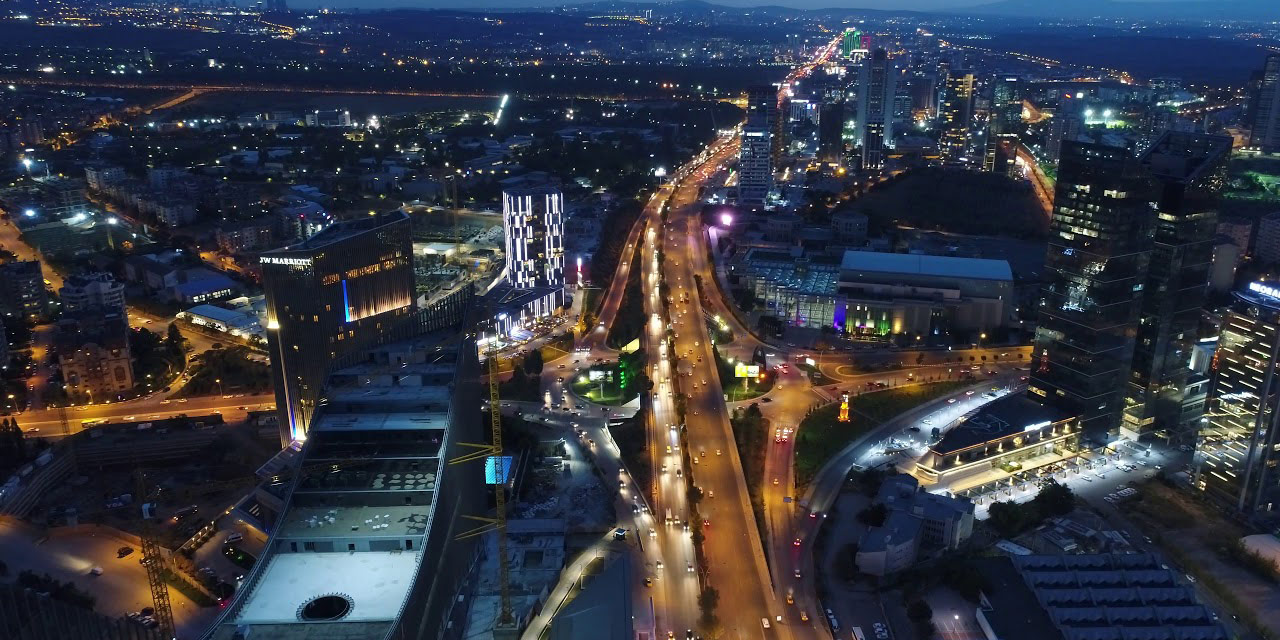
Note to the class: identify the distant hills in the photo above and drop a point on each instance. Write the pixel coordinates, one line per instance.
(1167, 10)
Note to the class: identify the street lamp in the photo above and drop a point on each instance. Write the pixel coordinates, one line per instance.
(219, 381)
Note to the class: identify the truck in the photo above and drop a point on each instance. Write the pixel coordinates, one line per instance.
(669, 518)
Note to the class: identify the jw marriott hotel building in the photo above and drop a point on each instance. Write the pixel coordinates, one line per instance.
(329, 296)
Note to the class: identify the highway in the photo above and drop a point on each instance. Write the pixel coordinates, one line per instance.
(46, 422)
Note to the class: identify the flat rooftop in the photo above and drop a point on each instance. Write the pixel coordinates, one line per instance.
(1003, 417)
(921, 265)
(364, 521)
(375, 582)
(438, 420)
(342, 230)
(408, 474)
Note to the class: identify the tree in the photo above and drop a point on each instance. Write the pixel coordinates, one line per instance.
(708, 600)
(175, 339)
(919, 610)
(874, 515)
(533, 362)
(1054, 499)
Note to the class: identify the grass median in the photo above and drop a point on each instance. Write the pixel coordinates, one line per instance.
(822, 435)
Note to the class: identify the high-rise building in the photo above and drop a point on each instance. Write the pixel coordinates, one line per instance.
(1095, 271)
(1236, 448)
(330, 295)
(533, 222)
(22, 289)
(831, 132)
(1189, 171)
(755, 158)
(1267, 246)
(957, 111)
(1265, 132)
(1067, 124)
(1003, 124)
(876, 88)
(92, 292)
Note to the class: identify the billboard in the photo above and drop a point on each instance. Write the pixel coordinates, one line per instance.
(744, 370)
(497, 469)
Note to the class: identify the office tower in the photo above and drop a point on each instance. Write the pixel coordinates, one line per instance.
(330, 295)
(1267, 247)
(1095, 271)
(1004, 122)
(831, 132)
(22, 289)
(1265, 132)
(755, 158)
(533, 222)
(1236, 447)
(876, 88)
(957, 111)
(1189, 171)
(1067, 124)
(92, 292)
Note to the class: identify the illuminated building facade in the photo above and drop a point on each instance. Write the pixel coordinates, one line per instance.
(1266, 107)
(1236, 447)
(755, 157)
(1010, 435)
(332, 294)
(877, 83)
(533, 222)
(1190, 170)
(957, 111)
(1095, 273)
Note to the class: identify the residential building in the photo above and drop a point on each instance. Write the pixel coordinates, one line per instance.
(1190, 171)
(877, 80)
(1110, 596)
(330, 295)
(369, 542)
(755, 156)
(99, 178)
(92, 292)
(1265, 133)
(1095, 272)
(1236, 450)
(246, 236)
(1267, 248)
(93, 353)
(957, 113)
(22, 289)
(1067, 124)
(533, 223)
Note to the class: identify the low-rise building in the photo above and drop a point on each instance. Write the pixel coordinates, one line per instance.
(237, 323)
(247, 235)
(917, 524)
(93, 352)
(850, 227)
(1006, 436)
(1089, 597)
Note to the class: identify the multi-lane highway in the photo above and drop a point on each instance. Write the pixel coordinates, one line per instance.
(233, 407)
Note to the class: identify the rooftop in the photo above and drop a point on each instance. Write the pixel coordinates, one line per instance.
(375, 583)
(344, 229)
(938, 266)
(1006, 416)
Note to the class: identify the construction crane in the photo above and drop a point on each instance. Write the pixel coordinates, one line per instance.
(152, 560)
(493, 450)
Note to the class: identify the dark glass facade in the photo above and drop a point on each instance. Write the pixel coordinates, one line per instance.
(1095, 272)
(1189, 171)
(343, 289)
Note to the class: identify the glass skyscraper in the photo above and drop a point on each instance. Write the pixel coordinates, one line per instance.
(1189, 170)
(1095, 271)
(335, 293)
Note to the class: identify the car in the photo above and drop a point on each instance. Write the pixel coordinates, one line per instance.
(671, 635)
(653, 533)
(688, 567)
(123, 552)
(1191, 578)
(648, 582)
(96, 571)
(717, 452)
(775, 482)
(804, 617)
(797, 542)
(791, 597)
(797, 572)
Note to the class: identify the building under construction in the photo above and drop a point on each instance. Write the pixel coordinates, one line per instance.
(373, 545)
